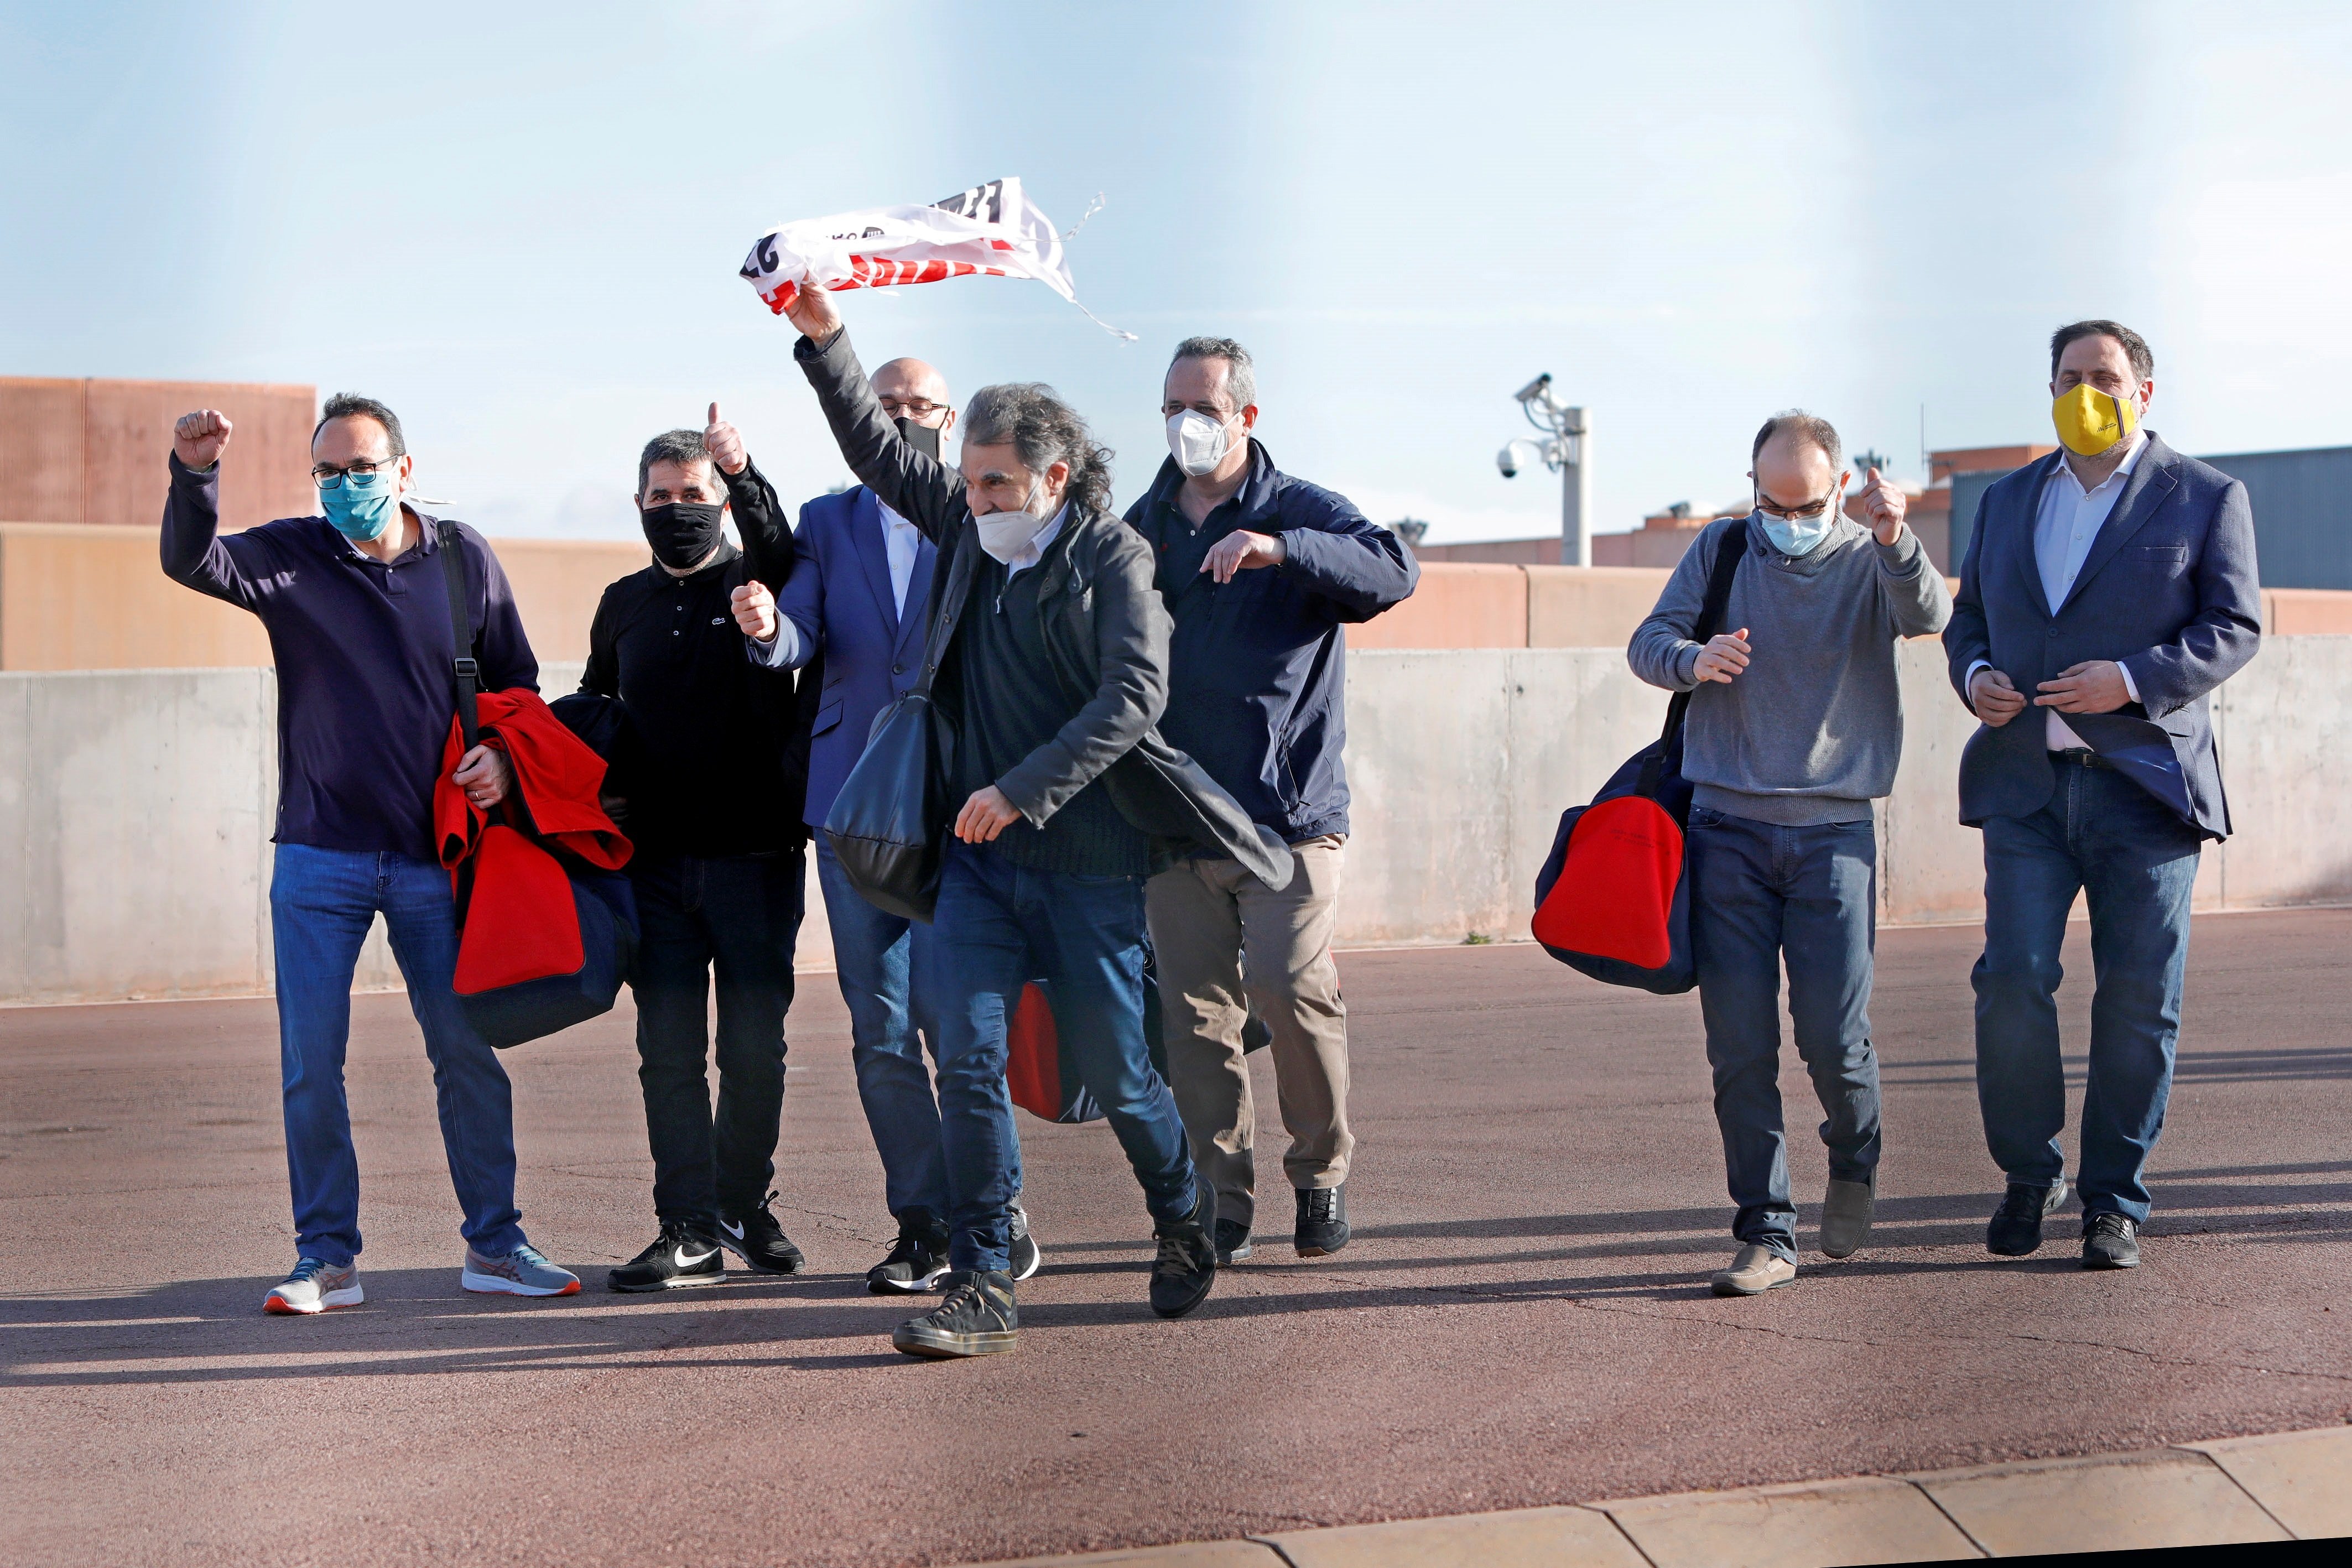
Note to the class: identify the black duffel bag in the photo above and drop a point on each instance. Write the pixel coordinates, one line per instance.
(888, 826)
(1612, 900)
(522, 1009)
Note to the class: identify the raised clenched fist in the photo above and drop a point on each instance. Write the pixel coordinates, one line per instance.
(725, 445)
(199, 438)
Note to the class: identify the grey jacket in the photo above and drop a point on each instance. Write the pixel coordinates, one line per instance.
(1106, 633)
(1811, 730)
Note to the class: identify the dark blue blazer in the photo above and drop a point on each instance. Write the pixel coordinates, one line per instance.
(838, 596)
(2168, 591)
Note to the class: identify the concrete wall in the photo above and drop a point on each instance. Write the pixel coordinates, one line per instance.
(94, 451)
(85, 596)
(135, 806)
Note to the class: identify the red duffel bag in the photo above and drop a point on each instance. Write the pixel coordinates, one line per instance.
(1613, 899)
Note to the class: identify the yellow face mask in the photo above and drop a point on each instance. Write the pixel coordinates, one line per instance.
(2090, 421)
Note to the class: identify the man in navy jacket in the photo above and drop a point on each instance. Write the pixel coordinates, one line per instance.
(1261, 572)
(356, 604)
(2116, 582)
(853, 610)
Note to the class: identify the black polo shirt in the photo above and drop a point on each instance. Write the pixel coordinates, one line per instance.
(713, 777)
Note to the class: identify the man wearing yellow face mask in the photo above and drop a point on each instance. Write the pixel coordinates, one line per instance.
(2115, 581)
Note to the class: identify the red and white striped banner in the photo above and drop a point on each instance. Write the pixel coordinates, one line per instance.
(991, 230)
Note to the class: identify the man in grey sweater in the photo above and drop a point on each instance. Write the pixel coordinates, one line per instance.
(1794, 728)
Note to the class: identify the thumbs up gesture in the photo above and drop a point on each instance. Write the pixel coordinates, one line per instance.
(199, 438)
(725, 445)
(1883, 505)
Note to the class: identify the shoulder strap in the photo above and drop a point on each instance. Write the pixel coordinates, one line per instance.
(461, 633)
(1730, 545)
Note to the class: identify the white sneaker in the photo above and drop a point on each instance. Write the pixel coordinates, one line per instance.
(524, 1271)
(315, 1286)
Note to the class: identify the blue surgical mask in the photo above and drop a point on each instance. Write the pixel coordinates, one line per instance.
(1797, 537)
(361, 506)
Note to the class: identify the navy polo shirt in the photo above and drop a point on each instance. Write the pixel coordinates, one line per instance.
(365, 694)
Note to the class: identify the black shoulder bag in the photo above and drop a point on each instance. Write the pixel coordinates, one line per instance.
(603, 903)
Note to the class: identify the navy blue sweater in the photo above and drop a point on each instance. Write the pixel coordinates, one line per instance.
(365, 689)
(1258, 671)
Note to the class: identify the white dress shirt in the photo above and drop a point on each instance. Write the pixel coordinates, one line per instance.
(900, 540)
(2064, 528)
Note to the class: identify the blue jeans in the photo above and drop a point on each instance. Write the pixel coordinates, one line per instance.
(2136, 862)
(734, 918)
(998, 927)
(884, 961)
(1761, 893)
(322, 903)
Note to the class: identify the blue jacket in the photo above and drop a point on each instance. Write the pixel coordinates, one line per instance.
(1257, 667)
(839, 603)
(2168, 591)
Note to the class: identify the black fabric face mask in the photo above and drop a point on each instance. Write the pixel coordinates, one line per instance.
(682, 532)
(922, 437)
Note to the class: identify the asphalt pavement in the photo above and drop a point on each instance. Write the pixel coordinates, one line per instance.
(1522, 1318)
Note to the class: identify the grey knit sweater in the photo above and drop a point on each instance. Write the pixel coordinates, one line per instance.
(1810, 731)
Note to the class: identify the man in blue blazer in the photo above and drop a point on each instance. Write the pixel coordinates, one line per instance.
(2115, 581)
(854, 606)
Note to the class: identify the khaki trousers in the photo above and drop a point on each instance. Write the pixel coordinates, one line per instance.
(1225, 942)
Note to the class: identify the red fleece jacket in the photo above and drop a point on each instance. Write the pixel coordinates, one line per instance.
(519, 921)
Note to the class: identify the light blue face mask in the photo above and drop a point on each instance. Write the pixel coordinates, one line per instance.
(1797, 537)
(361, 505)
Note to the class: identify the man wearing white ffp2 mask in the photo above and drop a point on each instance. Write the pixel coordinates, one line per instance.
(1261, 572)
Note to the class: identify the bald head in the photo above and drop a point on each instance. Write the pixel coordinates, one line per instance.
(910, 389)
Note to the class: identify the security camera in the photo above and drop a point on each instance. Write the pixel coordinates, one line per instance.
(1534, 388)
(1518, 455)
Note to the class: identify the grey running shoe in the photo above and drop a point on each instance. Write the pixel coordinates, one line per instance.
(315, 1286)
(524, 1271)
(1755, 1268)
(1024, 1259)
(978, 1318)
(2110, 1241)
(1845, 1217)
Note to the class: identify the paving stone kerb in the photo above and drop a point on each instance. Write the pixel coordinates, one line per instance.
(140, 804)
(2193, 1495)
(1522, 1322)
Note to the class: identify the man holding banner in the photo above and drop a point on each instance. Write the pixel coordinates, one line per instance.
(1046, 654)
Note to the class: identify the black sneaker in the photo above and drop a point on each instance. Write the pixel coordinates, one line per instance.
(2110, 1242)
(1026, 1259)
(1232, 1241)
(917, 1263)
(756, 1238)
(978, 1318)
(682, 1255)
(1187, 1264)
(1322, 1220)
(2016, 1227)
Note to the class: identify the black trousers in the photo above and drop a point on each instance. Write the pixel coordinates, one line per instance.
(737, 916)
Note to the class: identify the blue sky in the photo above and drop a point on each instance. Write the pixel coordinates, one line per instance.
(520, 226)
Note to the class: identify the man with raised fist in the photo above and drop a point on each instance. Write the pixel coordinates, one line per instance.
(357, 609)
(714, 793)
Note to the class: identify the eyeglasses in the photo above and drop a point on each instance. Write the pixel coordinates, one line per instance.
(327, 478)
(909, 407)
(1796, 514)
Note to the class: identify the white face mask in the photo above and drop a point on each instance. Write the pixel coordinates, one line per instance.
(1197, 442)
(1006, 535)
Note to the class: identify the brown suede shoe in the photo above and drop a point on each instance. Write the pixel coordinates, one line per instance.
(1754, 1271)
